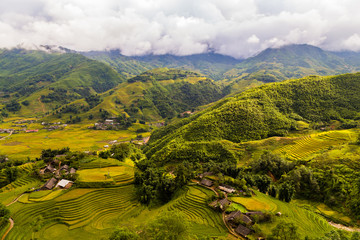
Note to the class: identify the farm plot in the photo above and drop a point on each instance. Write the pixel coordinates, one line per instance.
(12, 190)
(311, 144)
(119, 174)
(309, 223)
(203, 219)
(95, 210)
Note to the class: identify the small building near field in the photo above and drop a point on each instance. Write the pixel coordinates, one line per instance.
(227, 189)
(223, 203)
(243, 231)
(63, 183)
(50, 184)
(235, 217)
(206, 182)
(72, 170)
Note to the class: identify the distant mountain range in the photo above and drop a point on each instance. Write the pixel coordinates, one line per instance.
(46, 81)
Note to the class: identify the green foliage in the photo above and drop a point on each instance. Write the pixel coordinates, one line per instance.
(273, 191)
(262, 112)
(286, 192)
(4, 215)
(168, 225)
(285, 231)
(271, 163)
(25, 103)
(13, 106)
(123, 234)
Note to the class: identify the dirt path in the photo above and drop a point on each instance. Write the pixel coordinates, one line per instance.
(231, 231)
(7, 136)
(10, 219)
(9, 229)
(42, 105)
(342, 227)
(15, 200)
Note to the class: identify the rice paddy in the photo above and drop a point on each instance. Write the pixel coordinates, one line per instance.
(309, 223)
(311, 144)
(202, 217)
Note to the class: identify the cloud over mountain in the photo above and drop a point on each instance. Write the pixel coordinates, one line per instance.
(180, 27)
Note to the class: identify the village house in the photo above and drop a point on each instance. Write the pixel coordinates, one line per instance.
(109, 122)
(227, 189)
(49, 184)
(224, 203)
(234, 218)
(65, 184)
(206, 182)
(49, 169)
(243, 231)
(72, 171)
(32, 130)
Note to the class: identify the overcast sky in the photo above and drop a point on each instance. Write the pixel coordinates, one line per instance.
(239, 28)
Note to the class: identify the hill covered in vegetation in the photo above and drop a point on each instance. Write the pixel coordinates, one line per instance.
(293, 61)
(154, 95)
(269, 110)
(42, 80)
(210, 64)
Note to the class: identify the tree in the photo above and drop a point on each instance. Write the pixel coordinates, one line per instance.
(123, 234)
(168, 225)
(262, 182)
(286, 192)
(11, 173)
(284, 231)
(273, 191)
(355, 236)
(4, 215)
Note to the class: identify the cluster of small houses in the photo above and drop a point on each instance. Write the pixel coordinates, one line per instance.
(237, 220)
(53, 182)
(23, 128)
(106, 125)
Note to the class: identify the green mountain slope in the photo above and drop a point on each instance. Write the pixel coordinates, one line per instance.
(153, 95)
(211, 64)
(269, 110)
(47, 79)
(292, 61)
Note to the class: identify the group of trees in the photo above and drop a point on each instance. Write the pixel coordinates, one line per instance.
(156, 185)
(167, 225)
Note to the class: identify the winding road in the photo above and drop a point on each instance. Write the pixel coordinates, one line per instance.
(10, 219)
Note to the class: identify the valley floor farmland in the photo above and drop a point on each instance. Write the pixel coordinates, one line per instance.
(77, 137)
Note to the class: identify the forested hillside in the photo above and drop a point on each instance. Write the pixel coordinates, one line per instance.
(269, 110)
(154, 95)
(293, 61)
(211, 64)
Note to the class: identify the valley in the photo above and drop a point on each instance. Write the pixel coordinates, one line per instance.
(205, 146)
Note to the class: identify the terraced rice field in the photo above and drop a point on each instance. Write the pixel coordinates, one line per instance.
(119, 174)
(203, 219)
(96, 210)
(311, 144)
(11, 191)
(309, 223)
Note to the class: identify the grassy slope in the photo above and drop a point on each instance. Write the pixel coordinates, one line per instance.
(81, 213)
(271, 109)
(309, 223)
(30, 74)
(292, 61)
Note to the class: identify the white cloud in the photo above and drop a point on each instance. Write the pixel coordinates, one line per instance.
(232, 27)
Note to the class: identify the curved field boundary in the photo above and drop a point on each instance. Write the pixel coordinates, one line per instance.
(95, 208)
(9, 229)
(311, 144)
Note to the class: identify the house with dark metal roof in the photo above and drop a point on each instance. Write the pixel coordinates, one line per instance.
(206, 182)
(235, 217)
(227, 189)
(223, 203)
(243, 231)
(50, 184)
